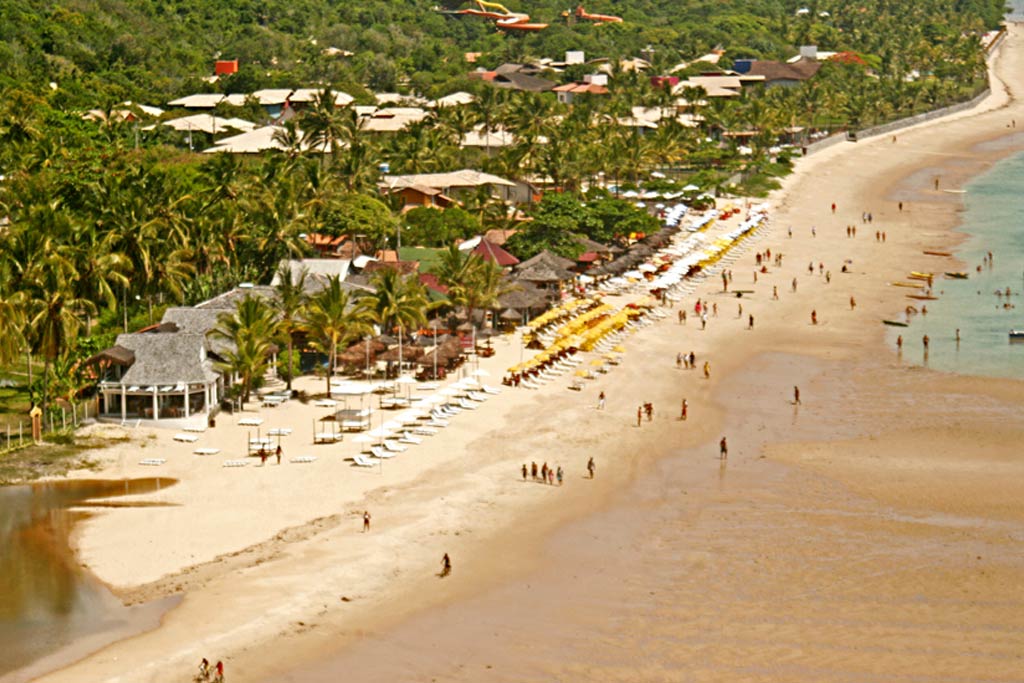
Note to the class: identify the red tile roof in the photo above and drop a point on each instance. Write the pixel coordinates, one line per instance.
(492, 252)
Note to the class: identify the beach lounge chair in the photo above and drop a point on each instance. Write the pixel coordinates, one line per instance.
(363, 461)
(234, 463)
(394, 447)
(408, 438)
(437, 424)
(194, 428)
(153, 461)
(206, 451)
(381, 453)
(187, 438)
(425, 431)
(494, 391)
(463, 403)
(576, 385)
(304, 459)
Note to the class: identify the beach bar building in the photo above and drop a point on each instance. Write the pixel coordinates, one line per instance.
(157, 377)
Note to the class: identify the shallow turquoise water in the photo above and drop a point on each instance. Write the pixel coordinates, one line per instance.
(994, 219)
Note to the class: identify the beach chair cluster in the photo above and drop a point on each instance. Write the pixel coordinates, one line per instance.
(409, 428)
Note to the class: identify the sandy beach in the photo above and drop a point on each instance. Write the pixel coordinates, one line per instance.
(871, 533)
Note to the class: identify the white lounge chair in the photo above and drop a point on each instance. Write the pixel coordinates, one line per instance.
(425, 431)
(187, 438)
(206, 451)
(153, 461)
(304, 459)
(234, 463)
(381, 453)
(494, 391)
(393, 447)
(363, 461)
(194, 428)
(410, 439)
(463, 403)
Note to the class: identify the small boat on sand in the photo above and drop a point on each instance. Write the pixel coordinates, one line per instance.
(920, 276)
(937, 253)
(912, 285)
(922, 297)
(895, 323)
(956, 276)
(1017, 335)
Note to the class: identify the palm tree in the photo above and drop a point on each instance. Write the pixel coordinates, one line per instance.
(332, 319)
(291, 304)
(250, 330)
(323, 125)
(398, 302)
(472, 282)
(12, 324)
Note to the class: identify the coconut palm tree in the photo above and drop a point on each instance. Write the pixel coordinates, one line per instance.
(291, 305)
(250, 330)
(12, 322)
(332, 319)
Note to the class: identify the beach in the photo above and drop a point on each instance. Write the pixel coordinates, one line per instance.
(870, 533)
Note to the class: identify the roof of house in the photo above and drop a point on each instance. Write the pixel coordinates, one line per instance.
(207, 123)
(782, 71)
(499, 236)
(519, 81)
(229, 299)
(582, 88)
(162, 359)
(494, 138)
(490, 251)
(455, 99)
(462, 178)
(303, 95)
(198, 101)
(545, 267)
(318, 271)
(272, 96)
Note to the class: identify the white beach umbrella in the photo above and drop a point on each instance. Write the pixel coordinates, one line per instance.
(481, 373)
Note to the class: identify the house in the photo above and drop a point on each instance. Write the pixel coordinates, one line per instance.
(448, 183)
(545, 271)
(514, 80)
(198, 101)
(489, 251)
(209, 124)
(786, 74)
(570, 91)
(225, 67)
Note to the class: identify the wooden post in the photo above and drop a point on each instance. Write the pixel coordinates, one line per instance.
(63, 419)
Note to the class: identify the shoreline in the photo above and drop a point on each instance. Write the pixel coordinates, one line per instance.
(292, 554)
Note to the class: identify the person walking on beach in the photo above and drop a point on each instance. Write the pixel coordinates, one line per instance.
(958, 335)
(693, 361)
(366, 513)
(533, 470)
(775, 292)
(925, 341)
(681, 316)
(853, 303)
(204, 670)
(278, 454)
(263, 456)
(639, 415)
(591, 467)
(901, 207)
(600, 401)
(679, 360)
(219, 672)
(707, 370)
(649, 409)
(683, 410)
(723, 449)
(750, 323)
(559, 475)
(796, 395)
(899, 342)
(794, 284)
(814, 317)
(725, 281)
(703, 321)
(833, 207)
(544, 473)
(525, 471)
(446, 565)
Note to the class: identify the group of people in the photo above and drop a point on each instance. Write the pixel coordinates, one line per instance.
(265, 454)
(686, 360)
(208, 674)
(548, 475)
(644, 409)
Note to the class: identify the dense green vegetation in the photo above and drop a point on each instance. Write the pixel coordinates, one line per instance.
(106, 223)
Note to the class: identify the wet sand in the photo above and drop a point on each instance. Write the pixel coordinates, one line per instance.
(850, 551)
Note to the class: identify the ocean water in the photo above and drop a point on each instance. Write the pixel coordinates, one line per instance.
(993, 217)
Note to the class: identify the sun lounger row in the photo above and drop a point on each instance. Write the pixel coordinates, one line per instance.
(153, 461)
(206, 451)
(304, 459)
(186, 438)
(234, 463)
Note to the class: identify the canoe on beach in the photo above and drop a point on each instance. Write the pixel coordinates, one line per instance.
(895, 323)
(914, 285)
(922, 297)
(956, 276)
(937, 253)
(921, 276)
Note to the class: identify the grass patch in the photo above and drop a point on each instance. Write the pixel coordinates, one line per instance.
(49, 459)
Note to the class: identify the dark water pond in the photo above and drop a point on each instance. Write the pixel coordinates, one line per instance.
(51, 610)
